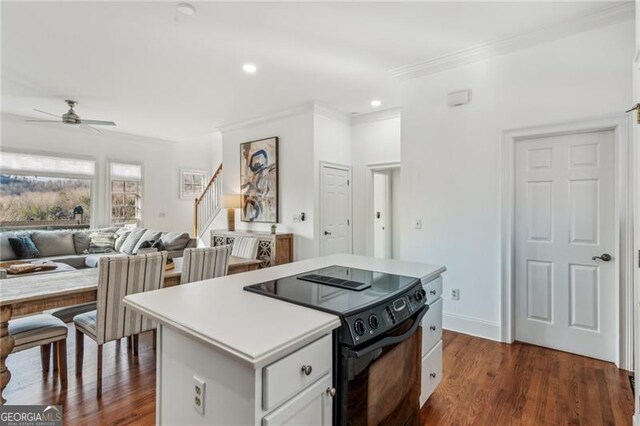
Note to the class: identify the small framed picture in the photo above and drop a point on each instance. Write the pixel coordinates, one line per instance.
(192, 183)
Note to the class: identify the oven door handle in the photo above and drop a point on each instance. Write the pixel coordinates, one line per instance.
(392, 340)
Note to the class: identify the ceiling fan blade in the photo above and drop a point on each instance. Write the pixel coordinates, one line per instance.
(44, 121)
(91, 128)
(98, 122)
(45, 112)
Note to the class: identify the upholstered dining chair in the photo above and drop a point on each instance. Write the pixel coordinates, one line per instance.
(204, 263)
(42, 330)
(245, 247)
(118, 276)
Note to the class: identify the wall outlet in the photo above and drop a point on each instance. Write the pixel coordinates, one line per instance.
(455, 294)
(418, 223)
(199, 387)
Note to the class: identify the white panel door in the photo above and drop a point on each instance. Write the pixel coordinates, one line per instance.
(335, 205)
(564, 217)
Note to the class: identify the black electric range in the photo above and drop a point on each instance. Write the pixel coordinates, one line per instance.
(369, 303)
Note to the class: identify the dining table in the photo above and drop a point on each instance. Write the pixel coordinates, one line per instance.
(35, 293)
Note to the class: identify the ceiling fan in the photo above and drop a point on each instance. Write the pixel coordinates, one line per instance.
(70, 117)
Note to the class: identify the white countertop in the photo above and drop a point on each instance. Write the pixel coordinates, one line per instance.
(256, 329)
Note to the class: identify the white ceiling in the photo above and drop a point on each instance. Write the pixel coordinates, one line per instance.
(160, 74)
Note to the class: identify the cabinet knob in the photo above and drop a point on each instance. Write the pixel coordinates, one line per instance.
(306, 369)
(432, 328)
(432, 375)
(331, 392)
(433, 292)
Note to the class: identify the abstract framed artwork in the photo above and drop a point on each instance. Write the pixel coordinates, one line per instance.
(192, 183)
(259, 181)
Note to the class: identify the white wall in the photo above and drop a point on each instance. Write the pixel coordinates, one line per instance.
(332, 144)
(375, 139)
(162, 207)
(451, 156)
(296, 181)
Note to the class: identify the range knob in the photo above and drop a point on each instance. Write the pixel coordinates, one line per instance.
(358, 326)
(418, 295)
(373, 321)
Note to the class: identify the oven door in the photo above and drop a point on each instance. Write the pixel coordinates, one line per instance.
(379, 384)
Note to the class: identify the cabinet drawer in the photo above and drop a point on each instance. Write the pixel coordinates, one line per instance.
(312, 406)
(431, 372)
(432, 326)
(433, 289)
(286, 377)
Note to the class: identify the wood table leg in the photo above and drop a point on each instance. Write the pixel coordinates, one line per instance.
(6, 347)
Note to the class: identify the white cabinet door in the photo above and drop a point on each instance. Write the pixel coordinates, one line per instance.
(312, 406)
(566, 296)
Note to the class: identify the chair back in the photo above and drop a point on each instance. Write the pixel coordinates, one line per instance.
(203, 263)
(120, 276)
(246, 247)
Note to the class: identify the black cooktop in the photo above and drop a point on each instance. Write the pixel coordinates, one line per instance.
(336, 289)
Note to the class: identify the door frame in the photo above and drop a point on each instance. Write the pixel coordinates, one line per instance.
(320, 228)
(619, 124)
(371, 168)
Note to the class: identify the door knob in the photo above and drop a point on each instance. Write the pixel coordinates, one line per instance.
(605, 257)
(327, 233)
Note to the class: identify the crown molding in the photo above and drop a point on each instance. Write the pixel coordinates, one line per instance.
(311, 107)
(371, 117)
(331, 113)
(256, 121)
(608, 15)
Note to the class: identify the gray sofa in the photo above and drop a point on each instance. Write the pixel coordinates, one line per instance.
(74, 247)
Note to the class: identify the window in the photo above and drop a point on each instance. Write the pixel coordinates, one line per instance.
(126, 193)
(45, 192)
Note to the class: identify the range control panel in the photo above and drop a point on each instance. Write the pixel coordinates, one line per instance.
(378, 319)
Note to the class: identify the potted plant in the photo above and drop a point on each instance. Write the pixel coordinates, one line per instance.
(273, 228)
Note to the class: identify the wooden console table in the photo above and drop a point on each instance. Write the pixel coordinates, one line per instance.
(273, 249)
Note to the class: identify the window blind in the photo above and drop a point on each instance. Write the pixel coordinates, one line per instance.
(126, 171)
(44, 164)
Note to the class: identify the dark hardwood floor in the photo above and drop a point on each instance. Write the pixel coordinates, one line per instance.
(484, 383)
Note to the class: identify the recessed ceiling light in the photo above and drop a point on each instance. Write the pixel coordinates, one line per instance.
(375, 103)
(186, 9)
(249, 68)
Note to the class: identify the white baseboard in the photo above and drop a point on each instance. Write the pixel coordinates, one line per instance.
(472, 326)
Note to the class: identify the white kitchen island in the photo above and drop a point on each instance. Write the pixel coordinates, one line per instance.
(227, 356)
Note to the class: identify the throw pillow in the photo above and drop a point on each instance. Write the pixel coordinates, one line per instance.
(24, 248)
(6, 252)
(175, 240)
(54, 243)
(121, 237)
(158, 245)
(81, 241)
(102, 242)
(149, 235)
(130, 242)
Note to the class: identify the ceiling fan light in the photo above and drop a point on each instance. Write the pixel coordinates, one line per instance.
(186, 9)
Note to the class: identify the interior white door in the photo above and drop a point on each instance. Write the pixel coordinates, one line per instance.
(564, 217)
(380, 214)
(336, 210)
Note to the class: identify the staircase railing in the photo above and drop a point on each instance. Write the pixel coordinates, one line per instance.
(208, 204)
